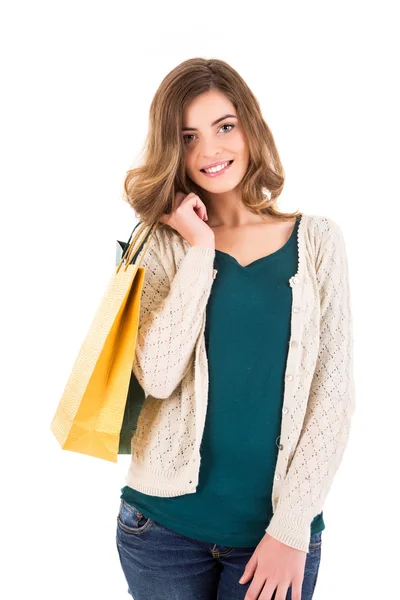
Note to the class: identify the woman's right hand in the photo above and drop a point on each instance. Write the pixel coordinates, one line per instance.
(189, 221)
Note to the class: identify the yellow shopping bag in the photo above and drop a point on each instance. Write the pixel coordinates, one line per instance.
(89, 415)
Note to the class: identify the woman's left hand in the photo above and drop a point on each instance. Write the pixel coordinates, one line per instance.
(274, 565)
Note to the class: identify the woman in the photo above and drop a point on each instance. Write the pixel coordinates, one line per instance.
(244, 350)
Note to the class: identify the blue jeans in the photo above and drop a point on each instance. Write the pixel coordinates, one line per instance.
(160, 564)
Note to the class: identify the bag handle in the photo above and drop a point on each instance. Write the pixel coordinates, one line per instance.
(130, 245)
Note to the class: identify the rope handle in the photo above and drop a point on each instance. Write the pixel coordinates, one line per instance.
(129, 250)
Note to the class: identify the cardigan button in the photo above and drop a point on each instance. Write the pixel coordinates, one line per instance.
(280, 446)
(294, 344)
(285, 410)
(277, 476)
(289, 377)
(296, 309)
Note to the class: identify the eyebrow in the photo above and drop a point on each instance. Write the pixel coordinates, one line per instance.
(212, 124)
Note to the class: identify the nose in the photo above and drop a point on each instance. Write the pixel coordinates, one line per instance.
(209, 149)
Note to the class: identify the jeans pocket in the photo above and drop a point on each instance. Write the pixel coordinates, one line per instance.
(131, 521)
(315, 542)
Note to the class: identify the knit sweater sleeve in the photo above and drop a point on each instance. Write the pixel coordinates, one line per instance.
(172, 309)
(331, 402)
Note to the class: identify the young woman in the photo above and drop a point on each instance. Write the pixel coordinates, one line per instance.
(244, 351)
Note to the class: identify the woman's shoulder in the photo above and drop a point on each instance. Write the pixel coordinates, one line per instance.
(168, 247)
(320, 228)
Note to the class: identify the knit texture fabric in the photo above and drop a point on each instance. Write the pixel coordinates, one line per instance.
(171, 366)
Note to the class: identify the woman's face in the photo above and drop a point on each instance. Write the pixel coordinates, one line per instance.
(207, 141)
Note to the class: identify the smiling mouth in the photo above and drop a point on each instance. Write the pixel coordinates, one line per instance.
(229, 163)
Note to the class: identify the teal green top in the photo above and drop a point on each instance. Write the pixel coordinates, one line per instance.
(247, 335)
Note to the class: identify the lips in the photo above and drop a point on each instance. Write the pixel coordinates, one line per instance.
(221, 162)
(220, 172)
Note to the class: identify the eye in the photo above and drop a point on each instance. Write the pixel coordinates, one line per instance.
(189, 135)
(185, 141)
(228, 125)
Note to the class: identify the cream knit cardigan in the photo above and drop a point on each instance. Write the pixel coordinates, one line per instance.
(171, 366)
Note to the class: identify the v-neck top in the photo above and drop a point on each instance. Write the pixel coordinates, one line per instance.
(247, 334)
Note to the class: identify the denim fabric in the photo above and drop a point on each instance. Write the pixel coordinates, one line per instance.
(160, 564)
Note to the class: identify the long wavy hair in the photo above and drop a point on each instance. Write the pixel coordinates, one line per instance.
(151, 187)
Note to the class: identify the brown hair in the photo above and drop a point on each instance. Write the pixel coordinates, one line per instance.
(151, 188)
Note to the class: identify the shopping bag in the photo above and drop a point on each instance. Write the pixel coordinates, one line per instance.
(91, 413)
(136, 395)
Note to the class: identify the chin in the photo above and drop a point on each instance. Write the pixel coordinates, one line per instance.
(221, 188)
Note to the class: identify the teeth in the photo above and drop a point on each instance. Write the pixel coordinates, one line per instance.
(216, 169)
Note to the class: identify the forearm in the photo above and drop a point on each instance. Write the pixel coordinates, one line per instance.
(171, 318)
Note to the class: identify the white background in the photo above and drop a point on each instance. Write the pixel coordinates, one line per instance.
(77, 82)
